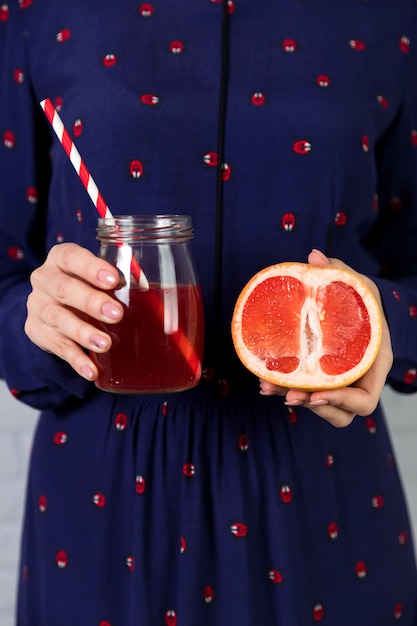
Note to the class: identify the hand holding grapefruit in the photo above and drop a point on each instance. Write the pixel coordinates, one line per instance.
(309, 327)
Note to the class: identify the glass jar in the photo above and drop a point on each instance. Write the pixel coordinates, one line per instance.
(158, 345)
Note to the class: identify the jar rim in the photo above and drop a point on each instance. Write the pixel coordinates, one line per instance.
(145, 226)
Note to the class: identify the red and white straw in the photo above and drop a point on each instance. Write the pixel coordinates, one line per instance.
(75, 158)
(84, 174)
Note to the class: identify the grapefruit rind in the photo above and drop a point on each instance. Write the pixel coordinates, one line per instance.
(305, 377)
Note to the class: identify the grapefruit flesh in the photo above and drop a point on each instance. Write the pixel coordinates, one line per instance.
(307, 327)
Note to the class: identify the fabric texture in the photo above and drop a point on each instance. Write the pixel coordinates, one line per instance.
(215, 506)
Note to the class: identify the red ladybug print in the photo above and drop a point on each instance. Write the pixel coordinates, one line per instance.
(58, 103)
(292, 415)
(323, 80)
(150, 99)
(18, 76)
(42, 503)
(243, 443)
(146, 9)
(99, 500)
(171, 618)
(333, 530)
(9, 139)
(223, 387)
(330, 460)
(340, 219)
(104, 624)
(370, 425)
(59, 238)
(230, 7)
(395, 204)
(109, 60)
(79, 216)
(77, 128)
(164, 410)
(61, 559)
(302, 146)
(4, 12)
(140, 484)
(398, 610)
(183, 545)
(402, 538)
(136, 168)
(377, 502)
(288, 221)
(226, 172)
(382, 100)
(211, 159)
(32, 195)
(239, 530)
(318, 612)
(413, 137)
(375, 203)
(120, 422)
(15, 253)
(289, 45)
(410, 376)
(361, 569)
(412, 311)
(208, 595)
(404, 44)
(365, 143)
(258, 98)
(176, 47)
(130, 562)
(286, 494)
(60, 438)
(275, 576)
(24, 4)
(396, 295)
(63, 35)
(356, 44)
(188, 469)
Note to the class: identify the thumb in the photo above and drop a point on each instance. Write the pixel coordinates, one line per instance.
(316, 257)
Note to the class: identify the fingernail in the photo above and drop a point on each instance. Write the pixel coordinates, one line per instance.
(99, 341)
(106, 277)
(294, 403)
(321, 255)
(319, 403)
(111, 311)
(87, 372)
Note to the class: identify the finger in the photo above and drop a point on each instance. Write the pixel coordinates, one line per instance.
(71, 292)
(269, 389)
(62, 346)
(78, 261)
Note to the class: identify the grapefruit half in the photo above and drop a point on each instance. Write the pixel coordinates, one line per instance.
(307, 327)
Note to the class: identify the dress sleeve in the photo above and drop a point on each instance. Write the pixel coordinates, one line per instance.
(34, 376)
(393, 240)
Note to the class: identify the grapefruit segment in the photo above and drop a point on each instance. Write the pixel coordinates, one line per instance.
(306, 326)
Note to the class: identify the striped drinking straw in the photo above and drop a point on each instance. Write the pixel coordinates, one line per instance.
(84, 174)
(103, 210)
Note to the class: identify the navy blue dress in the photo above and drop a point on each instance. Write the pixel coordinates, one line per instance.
(279, 126)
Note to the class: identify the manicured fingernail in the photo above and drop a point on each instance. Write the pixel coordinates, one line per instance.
(87, 372)
(99, 341)
(106, 277)
(111, 311)
(319, 403)
(321, 255)
(293, 403)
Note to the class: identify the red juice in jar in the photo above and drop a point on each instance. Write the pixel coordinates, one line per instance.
(158, 345)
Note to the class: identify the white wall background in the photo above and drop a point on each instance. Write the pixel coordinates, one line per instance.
(16, 427)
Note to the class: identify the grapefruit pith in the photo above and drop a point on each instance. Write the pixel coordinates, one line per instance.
(307, 327)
